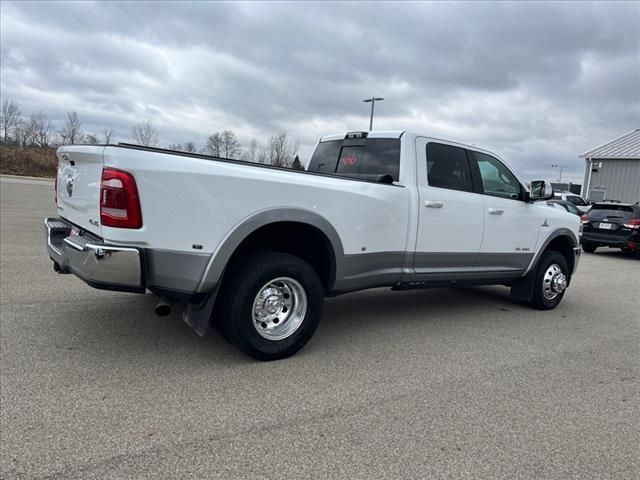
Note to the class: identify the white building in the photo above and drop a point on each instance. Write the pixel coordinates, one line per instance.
(613, 170)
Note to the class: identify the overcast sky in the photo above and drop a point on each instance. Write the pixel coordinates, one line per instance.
(538, 83)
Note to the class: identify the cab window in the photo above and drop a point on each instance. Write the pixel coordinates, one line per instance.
(497, 180)
(325, 157)
(448, 167)
(373, 156)
(378, 156)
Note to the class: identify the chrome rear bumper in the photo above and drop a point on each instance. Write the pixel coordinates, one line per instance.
(104, 266)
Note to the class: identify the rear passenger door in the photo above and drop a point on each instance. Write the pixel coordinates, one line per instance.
(450, 214)
(511, 225)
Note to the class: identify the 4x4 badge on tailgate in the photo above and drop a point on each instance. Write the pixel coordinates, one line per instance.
(69, 186)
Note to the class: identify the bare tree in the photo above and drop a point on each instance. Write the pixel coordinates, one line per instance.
(230, 145)
(32, 132)
(43, 129)
(281, 150)
(223, 144)
(190, 147)
(9, 118)
(176, 146)
(213, 145)
(263, 155)
(251, 154)
(145, 134)
(20, 133)
(26, 132)
(71, 133)
(107, 133)
(91, 139)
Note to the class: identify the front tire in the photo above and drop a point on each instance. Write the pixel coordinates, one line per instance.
(551, 281)
(271, 305)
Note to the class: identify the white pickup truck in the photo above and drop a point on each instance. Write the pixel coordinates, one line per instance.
(254, 248)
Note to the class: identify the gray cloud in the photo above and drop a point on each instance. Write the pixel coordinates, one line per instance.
(536, 82)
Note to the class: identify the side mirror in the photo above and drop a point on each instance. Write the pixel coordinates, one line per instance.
(540, 190)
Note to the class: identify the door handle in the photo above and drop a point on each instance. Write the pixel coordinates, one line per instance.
(496, 211)
(430, 204)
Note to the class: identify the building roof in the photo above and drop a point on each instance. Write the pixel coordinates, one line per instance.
(625, 146)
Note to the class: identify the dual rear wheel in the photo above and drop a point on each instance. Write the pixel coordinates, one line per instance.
(271, 305)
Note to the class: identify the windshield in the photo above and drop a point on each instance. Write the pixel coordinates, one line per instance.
(572, 208)
(576, 200)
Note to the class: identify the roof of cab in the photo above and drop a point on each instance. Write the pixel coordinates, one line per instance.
(398, 134)
(370, 134)
(414, 135)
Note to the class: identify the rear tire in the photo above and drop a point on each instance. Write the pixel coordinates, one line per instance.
(271, 305)
(551, 280)
(589, 247)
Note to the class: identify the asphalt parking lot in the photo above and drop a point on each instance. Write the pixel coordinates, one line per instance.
(420, 384)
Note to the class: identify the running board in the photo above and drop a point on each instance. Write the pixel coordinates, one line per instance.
(450, 283)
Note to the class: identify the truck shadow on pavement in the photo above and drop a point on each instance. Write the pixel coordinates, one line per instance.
(125, 329)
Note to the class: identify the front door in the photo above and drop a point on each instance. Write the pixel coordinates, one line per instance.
(511, 225)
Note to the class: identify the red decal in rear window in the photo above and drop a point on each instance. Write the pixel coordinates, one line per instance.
(349, 160)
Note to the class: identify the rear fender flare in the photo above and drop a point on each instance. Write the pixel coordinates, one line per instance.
(226, 248)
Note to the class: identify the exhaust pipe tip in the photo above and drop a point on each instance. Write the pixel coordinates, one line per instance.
(164, 307)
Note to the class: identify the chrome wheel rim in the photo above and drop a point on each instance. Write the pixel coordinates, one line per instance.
(279, 308)
(554, 282)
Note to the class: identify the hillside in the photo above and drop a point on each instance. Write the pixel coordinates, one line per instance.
(31, 161)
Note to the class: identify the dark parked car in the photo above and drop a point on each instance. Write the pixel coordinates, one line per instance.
(609, 224)
(568, 206)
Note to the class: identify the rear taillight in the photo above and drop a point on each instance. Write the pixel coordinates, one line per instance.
(633, 223)
(119, 201)
(584, 218)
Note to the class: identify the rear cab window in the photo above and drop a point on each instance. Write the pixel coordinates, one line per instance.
(365, 158)
(325, 157)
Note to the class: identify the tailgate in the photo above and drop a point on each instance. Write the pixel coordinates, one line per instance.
(78, 185)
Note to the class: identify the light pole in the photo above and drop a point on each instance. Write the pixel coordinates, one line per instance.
(561, 168)
(373, 101)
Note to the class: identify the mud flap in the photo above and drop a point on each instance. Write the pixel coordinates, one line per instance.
(522, 289)
(198, 315)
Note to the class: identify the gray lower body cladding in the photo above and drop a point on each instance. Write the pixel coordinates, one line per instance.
(368, 270)
(175, 274)
(178, 274)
